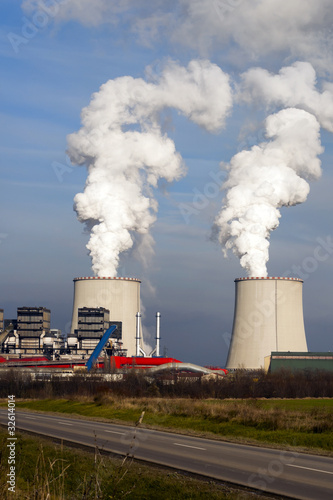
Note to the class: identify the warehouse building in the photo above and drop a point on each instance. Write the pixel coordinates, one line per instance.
(299, 361)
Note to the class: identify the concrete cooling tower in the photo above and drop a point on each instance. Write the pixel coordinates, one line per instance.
(268, 317)
(121, 296)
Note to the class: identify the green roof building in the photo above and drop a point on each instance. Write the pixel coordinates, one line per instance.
(299, 361)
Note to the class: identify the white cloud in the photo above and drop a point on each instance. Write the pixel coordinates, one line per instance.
(257, 28)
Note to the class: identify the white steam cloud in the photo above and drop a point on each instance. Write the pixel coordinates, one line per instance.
(269, 176)
(126, 153)
(294, 86)
(273, 174)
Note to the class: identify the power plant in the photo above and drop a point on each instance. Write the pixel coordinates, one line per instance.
(106, 332)
(268, 317)
(268, 330)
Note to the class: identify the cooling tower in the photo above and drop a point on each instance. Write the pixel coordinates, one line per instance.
(268, 317)
(120, 295)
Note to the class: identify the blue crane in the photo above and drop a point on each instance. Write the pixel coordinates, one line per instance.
(98, 349)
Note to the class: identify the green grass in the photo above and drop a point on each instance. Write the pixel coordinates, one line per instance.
(297, 404)
(47, 471)
(300, 423)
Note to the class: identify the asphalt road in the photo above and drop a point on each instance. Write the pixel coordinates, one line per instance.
(290, 474)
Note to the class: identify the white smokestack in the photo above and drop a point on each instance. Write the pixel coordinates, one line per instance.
(126, 153)
(268, 317)
(158, 333)
(138, 334)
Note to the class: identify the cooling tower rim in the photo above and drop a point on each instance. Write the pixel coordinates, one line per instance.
(103, 278)
(258, 278)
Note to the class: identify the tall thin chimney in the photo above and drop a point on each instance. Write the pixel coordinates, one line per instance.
(138, 337)
(158, 335)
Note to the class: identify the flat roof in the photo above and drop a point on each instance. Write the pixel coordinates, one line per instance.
(249, 278)
(298, 355)
(105, 278)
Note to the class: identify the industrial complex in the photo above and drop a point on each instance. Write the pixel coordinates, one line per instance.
(268, 330)
(105, 332)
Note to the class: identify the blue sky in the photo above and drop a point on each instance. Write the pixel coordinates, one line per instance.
(49, 77)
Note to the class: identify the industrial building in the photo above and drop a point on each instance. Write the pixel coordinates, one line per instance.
(268, 317)
(119, 296)
(268, 328)
(33, 324)
(97, 303)
(8, 336)
(92, 324)
(299, 361)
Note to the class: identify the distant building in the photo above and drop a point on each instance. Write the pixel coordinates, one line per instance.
(33, 324)
(1, 320)
(8, 335)
(299, 361)
(92, 323)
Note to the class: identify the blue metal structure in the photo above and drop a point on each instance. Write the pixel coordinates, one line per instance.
(98, 349)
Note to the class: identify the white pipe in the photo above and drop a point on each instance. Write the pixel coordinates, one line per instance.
(138, 319)
(158, 335)
(184, 367)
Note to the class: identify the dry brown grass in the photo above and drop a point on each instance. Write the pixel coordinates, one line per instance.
(252, 413)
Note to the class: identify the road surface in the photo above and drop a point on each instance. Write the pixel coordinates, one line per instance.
(290, 474)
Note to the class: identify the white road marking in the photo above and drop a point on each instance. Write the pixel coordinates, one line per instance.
(308, 468)
(188, 446)
(116, 432)
(64, 423)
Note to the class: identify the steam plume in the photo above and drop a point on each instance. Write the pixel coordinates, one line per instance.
(126, 153)
(274, 173)
(294, 86)
(271, 175)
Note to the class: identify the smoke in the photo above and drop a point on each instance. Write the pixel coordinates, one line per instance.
(271, 175)
(126, 154)
(294, 86)
(275, 173)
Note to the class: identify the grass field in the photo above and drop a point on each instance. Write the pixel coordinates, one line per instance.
(304, 423)
(47, 471)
